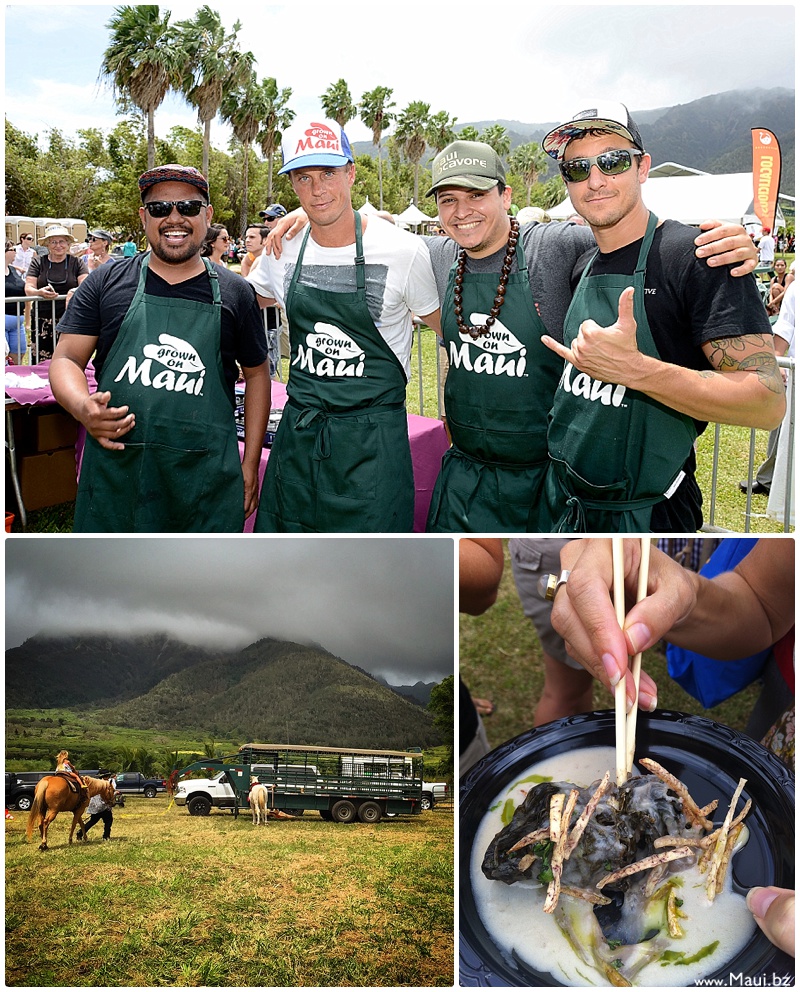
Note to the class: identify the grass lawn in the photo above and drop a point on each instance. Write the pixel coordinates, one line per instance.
(501, 659)
(176, 900)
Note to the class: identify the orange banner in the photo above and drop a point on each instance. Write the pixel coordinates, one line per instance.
(766, 175)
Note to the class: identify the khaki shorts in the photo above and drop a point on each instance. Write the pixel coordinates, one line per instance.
(531, 558)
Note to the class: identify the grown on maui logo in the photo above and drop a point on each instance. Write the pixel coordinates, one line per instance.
(498, 352)
(181, 368)
(330, 352)
(594, 390)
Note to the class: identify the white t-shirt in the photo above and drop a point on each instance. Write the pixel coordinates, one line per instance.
(784, 325)
(766, 248)
(399, 278)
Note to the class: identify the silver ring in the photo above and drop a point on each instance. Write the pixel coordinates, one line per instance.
(550, 584)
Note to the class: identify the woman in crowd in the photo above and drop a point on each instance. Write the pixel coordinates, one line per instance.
(779, 283)
(49, 277)
(16, 343)
(216, 244)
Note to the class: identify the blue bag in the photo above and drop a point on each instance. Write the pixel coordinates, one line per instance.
(711, 681)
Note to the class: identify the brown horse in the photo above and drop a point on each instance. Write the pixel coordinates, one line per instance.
(54, 795)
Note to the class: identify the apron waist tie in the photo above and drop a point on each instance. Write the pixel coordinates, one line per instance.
(573, 519)
(321, 419)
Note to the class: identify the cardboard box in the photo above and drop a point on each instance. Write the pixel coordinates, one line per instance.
(48, 479)
(55, 430)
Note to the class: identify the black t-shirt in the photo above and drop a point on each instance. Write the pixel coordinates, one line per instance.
(100, 304)
(467, 718)
(15, 286)
(687, 303)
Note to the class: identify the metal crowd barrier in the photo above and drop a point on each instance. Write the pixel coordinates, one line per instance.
(35, 307)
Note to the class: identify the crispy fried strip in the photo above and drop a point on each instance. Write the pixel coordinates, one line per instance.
(556, 808)
(721, 842)
(532, 838)
(655, 876)
(710, 839)
(690, 807)
(526, 861)
(615, 978)
(557, 860)
(675, 929)
(705, 810)
(583, 819)
(649, 862)
(723, 866)
(669, 841)
(593, 897)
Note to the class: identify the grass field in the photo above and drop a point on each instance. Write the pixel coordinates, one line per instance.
(175, 900)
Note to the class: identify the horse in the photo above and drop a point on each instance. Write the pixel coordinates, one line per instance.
(258, 803)
(53, 796)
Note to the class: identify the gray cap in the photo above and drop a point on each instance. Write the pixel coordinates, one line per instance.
(603, 116)
(469, 164)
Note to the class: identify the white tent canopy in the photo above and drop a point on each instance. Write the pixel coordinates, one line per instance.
(367, 208)
(694, 198)
(412, 215)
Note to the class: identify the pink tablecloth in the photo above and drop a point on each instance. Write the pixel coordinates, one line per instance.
(428, 440)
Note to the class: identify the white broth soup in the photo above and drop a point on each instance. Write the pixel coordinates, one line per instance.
(514, 918)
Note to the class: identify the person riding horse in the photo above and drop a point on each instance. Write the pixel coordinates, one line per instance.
(64, 765)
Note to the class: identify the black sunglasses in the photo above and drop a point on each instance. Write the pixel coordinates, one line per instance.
(612, 163)
(163, 208)
(27, 237)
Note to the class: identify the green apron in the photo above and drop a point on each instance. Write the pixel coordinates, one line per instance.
(497, 397)
(180, 469)
(614, 452)
(341, 461)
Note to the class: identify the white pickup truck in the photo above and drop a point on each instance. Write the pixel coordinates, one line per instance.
(433, 793)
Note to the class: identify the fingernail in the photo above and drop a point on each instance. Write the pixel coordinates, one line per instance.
(759, 900)
(639, 636)
(612, 668)
(646, 701)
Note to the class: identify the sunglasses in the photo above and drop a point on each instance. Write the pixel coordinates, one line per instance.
(27, 237)
(163, 208)
(225, 238)
(612, 163)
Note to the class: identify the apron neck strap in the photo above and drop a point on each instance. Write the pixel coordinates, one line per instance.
(210, 271)
(647, 240)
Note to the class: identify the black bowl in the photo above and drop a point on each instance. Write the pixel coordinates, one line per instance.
(708, 757)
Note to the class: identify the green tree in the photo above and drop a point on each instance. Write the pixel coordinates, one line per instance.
(142, 62)
(245, 107)
(442, 706)
(468, 133)
(276, 119)
(529, 161)
(441, 130)
(496, 136)
(337, 103)
(375, 111)
(213, 63)
(411, 135)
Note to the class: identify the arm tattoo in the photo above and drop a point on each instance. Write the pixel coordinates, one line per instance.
(737, 355)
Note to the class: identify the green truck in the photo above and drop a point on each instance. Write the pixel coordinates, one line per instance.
(342, 784)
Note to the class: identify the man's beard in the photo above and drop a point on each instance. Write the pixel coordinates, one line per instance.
(173, 255)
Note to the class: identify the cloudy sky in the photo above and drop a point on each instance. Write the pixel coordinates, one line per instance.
(519, 61)
(383, 604)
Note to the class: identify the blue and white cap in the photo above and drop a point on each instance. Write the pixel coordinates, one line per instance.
(314, 142)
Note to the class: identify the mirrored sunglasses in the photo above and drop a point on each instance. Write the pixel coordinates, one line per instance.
(611, 163)
(163, 208)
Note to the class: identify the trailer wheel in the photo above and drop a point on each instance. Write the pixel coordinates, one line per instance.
(199, 806)
(343, 811)
(369, 812)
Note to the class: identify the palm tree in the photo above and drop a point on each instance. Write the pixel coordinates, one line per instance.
(529, 162)
(214, 63)
(375, 113)
(468, 133)
(441, 130)
(244, 108)
(496, 136)
(338, 104)
(411, 135)
(277, 118)
(142, 62)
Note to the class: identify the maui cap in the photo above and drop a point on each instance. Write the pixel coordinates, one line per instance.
(315, 142)
(613, 117)
(469, 164)
(173, 174)
(273, 212)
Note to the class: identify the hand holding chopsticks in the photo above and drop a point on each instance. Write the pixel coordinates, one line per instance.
(625, 723)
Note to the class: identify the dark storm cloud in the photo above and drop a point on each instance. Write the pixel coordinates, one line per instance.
(385, 605)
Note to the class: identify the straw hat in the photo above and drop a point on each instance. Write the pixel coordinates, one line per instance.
(55, 231)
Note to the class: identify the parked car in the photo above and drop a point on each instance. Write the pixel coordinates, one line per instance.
(20, 787)
(134, 782)
(433, 793)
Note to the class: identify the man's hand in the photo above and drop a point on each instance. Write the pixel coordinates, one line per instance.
(610, 354)
(289, 226)
(773, 910)
(250, 476)
(724, 244)
(107, 424)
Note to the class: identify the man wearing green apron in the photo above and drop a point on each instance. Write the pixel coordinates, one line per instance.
(341, 460)
(655, 345)
(166, 330)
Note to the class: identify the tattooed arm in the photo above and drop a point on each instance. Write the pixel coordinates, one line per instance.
(743, 387)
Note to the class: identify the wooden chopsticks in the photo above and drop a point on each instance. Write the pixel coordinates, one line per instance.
(624, 722)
